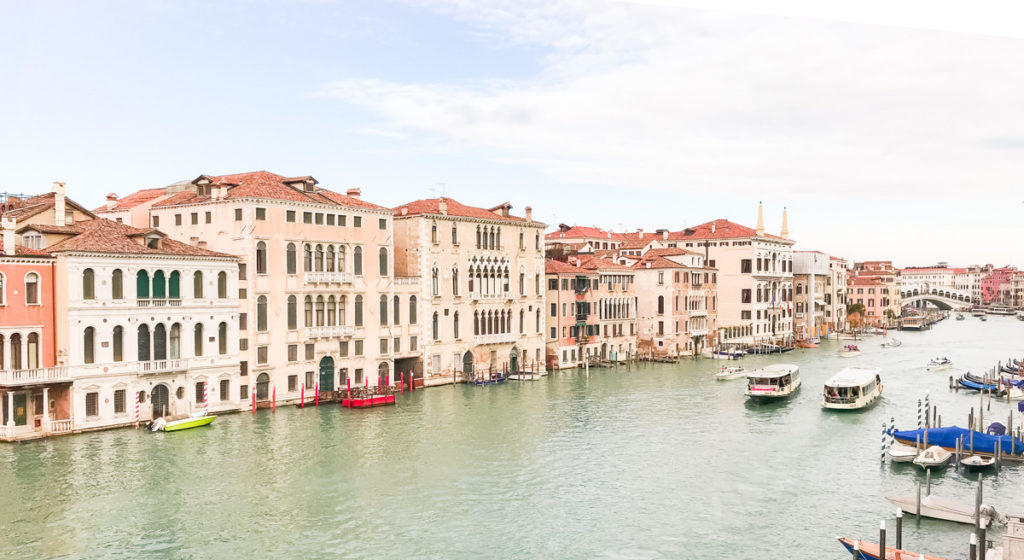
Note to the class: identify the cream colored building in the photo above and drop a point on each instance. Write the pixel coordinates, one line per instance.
(480, 286)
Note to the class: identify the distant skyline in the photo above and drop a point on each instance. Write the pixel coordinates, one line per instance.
(889, 132)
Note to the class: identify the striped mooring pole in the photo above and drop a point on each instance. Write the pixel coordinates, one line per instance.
(206, 397)
(920, 419)
(136, 410)
(885, 441)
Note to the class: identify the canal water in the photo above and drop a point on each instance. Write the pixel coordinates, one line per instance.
(659, 461)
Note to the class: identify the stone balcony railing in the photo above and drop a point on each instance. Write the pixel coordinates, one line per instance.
(698, 313)
(162, 366)
(34, 376)
(497, 338)
(158, 302)
(334, 331)
(698, 332)
(493, 297)
(327, 277)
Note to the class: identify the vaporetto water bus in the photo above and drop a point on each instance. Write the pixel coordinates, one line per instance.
(853, 388)
(777, 381)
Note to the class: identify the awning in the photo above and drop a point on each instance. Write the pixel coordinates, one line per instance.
(819, 302)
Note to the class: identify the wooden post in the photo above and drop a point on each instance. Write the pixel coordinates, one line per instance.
(917, 511)
(254, 402)
(981, 541)
(977, 503)
(928, 481)
(881, 540)
(899, 528)
(972, 554)
(316, 393)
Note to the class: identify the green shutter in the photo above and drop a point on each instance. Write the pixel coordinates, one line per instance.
(142, 285)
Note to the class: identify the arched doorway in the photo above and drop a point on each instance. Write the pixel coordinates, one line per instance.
(263, 387)
(467, 363)
(327, 374)
(161, 399)
(604, 351)
(513, 361)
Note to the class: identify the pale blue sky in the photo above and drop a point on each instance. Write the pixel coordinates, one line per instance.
(900, 141)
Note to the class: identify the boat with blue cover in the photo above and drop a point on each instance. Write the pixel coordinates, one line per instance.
(946, 438)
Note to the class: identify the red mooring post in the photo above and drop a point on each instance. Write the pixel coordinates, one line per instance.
(348, 386)
(273, 403)
(401, 388)
(254, 402)
(316, 398)
(302, 396)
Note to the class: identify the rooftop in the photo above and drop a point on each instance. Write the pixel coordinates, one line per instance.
(264, 184)
(432, 206)
(106, 236)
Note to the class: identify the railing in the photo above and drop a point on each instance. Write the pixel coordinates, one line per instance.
(407, 280)
(158, 302)
(330, 331)
(160, 366)
(698, 332)
(327, 277)
(496, 338)
(60, 426)
(698, 313)
(37, 375)
(500, 295)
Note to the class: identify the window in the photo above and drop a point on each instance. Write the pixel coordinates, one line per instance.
(359, 311)
(222, 338)
(382, 223)
(357, 261)
(293, 382)
(261, 214)
(554, 310)
(358, 348)
(412, 343)
(343, 348)
(342, 220)
(745, 295)
(197, 285)
(435, 282)
(241, 271)
(177, 219)
(195, 218)
(293, 313)
(307, 217)
(200, 392)
(330, 219)
(383, 346)
(119, 401)
(661, 305)
(293, 352)
(357, 221)
(261, 313)
(32, 288)
(156, 221)
(261, 354)
(289, 216)
(309, 350)
(433, 233)
(225, 389)
(455, 234)
(412, 310)
(291, 263)
(455, 325)
(383, 261)
(92, 401)
(209, 217)
(175, 341)
(238, 214)
(197, 348)
(261, 258)
(434, 328)
(243, 391)
(397, 308)
(318, 218)
(88, 284)
(118, 344)
(89, 347)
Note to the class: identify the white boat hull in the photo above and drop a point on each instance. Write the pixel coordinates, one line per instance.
(899, 453)
(933, 457)
(942, 508)
(938, 367)
(849, 354)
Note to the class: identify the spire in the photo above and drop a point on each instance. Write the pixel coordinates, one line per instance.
(760, 218)
(785, 224)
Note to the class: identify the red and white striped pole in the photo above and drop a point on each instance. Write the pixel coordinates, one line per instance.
(136, 410)
(302, 396)
(206, 397)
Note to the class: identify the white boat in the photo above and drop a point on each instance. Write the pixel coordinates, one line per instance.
(1000, 310)
(901, 453)
(1014, 394)
(938, 364)
(777, 381)
(943, 508)
(933, 457)
(853, 388)
(892, 343)
(524, 376)
(730, 373)
(978, 462)
(849, 351)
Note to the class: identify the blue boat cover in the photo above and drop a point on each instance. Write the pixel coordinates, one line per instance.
(946, 437)
(977, 386)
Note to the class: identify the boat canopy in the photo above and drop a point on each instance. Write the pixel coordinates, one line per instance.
(774, 371)
(946, 437)
(853, 377)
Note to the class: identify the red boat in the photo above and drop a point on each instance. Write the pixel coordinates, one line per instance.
(869, 551)
(366, 397)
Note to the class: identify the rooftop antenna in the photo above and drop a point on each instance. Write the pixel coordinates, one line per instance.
(443, 185)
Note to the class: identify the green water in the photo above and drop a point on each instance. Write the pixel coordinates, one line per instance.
(656, 462)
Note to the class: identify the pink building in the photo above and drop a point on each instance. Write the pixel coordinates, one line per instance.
(872, 292)
(997, 286)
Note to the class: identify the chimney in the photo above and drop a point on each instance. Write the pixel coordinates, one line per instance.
(712, 227)
(760, 219)
(785, 224)
(58, 203)
(529, 213)
(664, 234)
(9, 225)
(442, 206)
(354, 193)
(111, 201)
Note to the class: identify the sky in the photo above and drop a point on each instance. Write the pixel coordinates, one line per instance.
(888, 131)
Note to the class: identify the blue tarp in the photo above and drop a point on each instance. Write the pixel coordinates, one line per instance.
(946, 437)
(977, 386)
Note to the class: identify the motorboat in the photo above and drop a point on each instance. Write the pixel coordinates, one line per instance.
(960, 317)
(937, 507)
(978, 462)
(195, 420)
(872, 551)
(901, 453)
(722, 354)
(849, 351)
(983, 318)
(892, 343)
(933, 457)
(730, 373)
(853, 388)
(939, 364)
(977, 312)
(777, 381)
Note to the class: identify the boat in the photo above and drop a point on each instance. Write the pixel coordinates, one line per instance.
(1020, 315)
(853, 388)
(978, 462)
(870, 551)
(977, 312)
(806, 344)
(946, 509)
(368, 397)
(900, 453)
(1000, 310)
(983, 318)
(933, 457)
(776, 381)
(947, 438)
(892, 343)
(938, 364)
(849, 351)
(490, 379)
(960, 317)
(913, 324)
(195, 420)
(523, 376)
(978, 385)
(730, 373)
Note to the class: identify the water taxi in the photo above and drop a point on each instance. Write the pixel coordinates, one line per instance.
(938, 364)
(977, 312)
(730, 373)
(853, 388)
(849, 351)
(960, 317)
(892, 343)
(777, 381)
(196, 420)
(873, 551)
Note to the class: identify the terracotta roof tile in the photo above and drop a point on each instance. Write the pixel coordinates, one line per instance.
(455, 208)
(24, 209)
(133, 200)
(581, 232)
(22, 251)
(264, 184)
(559, 267)
(106, 236)
(597, 263)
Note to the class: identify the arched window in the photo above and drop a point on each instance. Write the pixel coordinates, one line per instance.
(455, 281)
(261, 313)
(88, 348)
(383, 258)
(88, 284)
(159, 342)
(538, 320)
(33, 350)
(435, 288)
(661, 304)
(343, 310)
(175, 341)
(341, 258)
(329, 264)
(318, 259)
(398, 310)
(433, 233)
(476, 322)
(469, 278)
(159, 285)
(359, 311)
(455, 234)
(293, 313)
(15, 351)
(307, 258)
(412, 310)
(222, 285)
(357, 261)
(143, 343)
(174, 285)
(382, 374)
(261, 258)
(117, 343)
(455, 324)
(291, 259)
(308, 311)
(319, 311)
(222, 338)
(434, 330)
(383, 310)
(198, 342)
(142, 285)
(331, 312)
(197, 285)
(263, 387)
(3, 293)
(522, 321)
(478, 243)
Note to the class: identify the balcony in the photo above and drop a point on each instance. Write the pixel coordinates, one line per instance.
(327, 277)
(158, 302)
(492, 297)
(698, 332)
(497, 338)
(161, 366)
(34, 376)
(335, 331)
(698, 313)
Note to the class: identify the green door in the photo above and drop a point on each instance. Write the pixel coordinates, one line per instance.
(327, 374)
(513, 361)
(20, 409)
